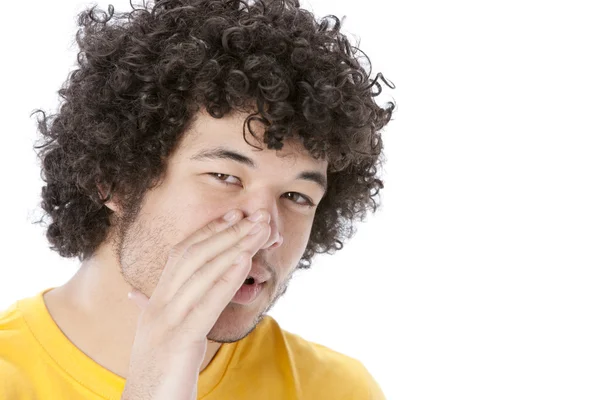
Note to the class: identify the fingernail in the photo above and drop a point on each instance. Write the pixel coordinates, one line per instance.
(230, 216)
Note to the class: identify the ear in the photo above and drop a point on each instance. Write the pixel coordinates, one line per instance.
(107, 194)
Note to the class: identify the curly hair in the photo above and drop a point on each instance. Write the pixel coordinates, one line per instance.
(141, 77)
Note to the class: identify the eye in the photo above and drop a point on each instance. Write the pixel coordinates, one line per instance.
(303, 201)
(306, 202)
(218, 176)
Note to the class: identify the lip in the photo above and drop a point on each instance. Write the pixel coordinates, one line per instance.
(247, 294)
(259, 273)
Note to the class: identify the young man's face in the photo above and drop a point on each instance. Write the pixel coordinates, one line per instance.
(193, 193)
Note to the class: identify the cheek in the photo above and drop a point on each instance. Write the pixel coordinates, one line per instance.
(296, 237)
(210, 194)
(209, 199)
(195, 214)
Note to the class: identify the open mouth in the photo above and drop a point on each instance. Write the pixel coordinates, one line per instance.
(249, 291)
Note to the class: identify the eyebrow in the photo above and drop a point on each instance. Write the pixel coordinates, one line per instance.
(223, 153)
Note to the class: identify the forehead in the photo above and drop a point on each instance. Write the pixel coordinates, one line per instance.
(206, 131)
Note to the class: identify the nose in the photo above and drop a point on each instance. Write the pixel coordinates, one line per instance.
(275, 240)
(262, 203)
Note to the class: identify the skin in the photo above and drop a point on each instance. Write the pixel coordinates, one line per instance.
(93, 309)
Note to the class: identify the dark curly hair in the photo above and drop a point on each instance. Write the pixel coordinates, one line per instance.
(143, 75)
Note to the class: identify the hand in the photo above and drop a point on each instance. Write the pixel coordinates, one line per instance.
(201, 276)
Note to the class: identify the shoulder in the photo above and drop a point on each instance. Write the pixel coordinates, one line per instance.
(347, 377)
(15, 334)
(9, 315)
(15, 382)
(12, 328)
(322, 368)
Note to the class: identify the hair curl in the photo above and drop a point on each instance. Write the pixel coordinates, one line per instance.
(142, 76)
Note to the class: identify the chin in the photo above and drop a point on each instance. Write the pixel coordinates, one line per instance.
(236, 322)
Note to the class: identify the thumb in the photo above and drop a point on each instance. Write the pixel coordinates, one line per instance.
(138, 298)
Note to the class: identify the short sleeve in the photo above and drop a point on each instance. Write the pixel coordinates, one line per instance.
(14, 385)
(372, 389)
(361, 385)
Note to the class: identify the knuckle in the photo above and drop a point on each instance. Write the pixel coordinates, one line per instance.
(176, 252)
(186, 253)
(225, 279)
(238, 248)
(211, 228)
(194, 251)
(235, 230)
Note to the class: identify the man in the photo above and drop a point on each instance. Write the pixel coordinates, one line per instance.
(205, 151)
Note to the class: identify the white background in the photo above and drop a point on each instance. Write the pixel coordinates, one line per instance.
(478, 278)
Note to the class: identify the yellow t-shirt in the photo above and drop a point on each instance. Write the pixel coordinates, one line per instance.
(37, 361)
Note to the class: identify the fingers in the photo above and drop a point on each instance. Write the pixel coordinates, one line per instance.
(201, 247)
(210, 306)
(213, 227)
(213, 286)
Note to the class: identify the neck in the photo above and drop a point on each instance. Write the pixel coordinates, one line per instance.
(93, 311)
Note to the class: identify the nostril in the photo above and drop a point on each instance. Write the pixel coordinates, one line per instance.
(278, 240)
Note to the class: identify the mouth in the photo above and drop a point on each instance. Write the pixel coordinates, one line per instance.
(257, 275)
(249, 291)
(254, 281)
